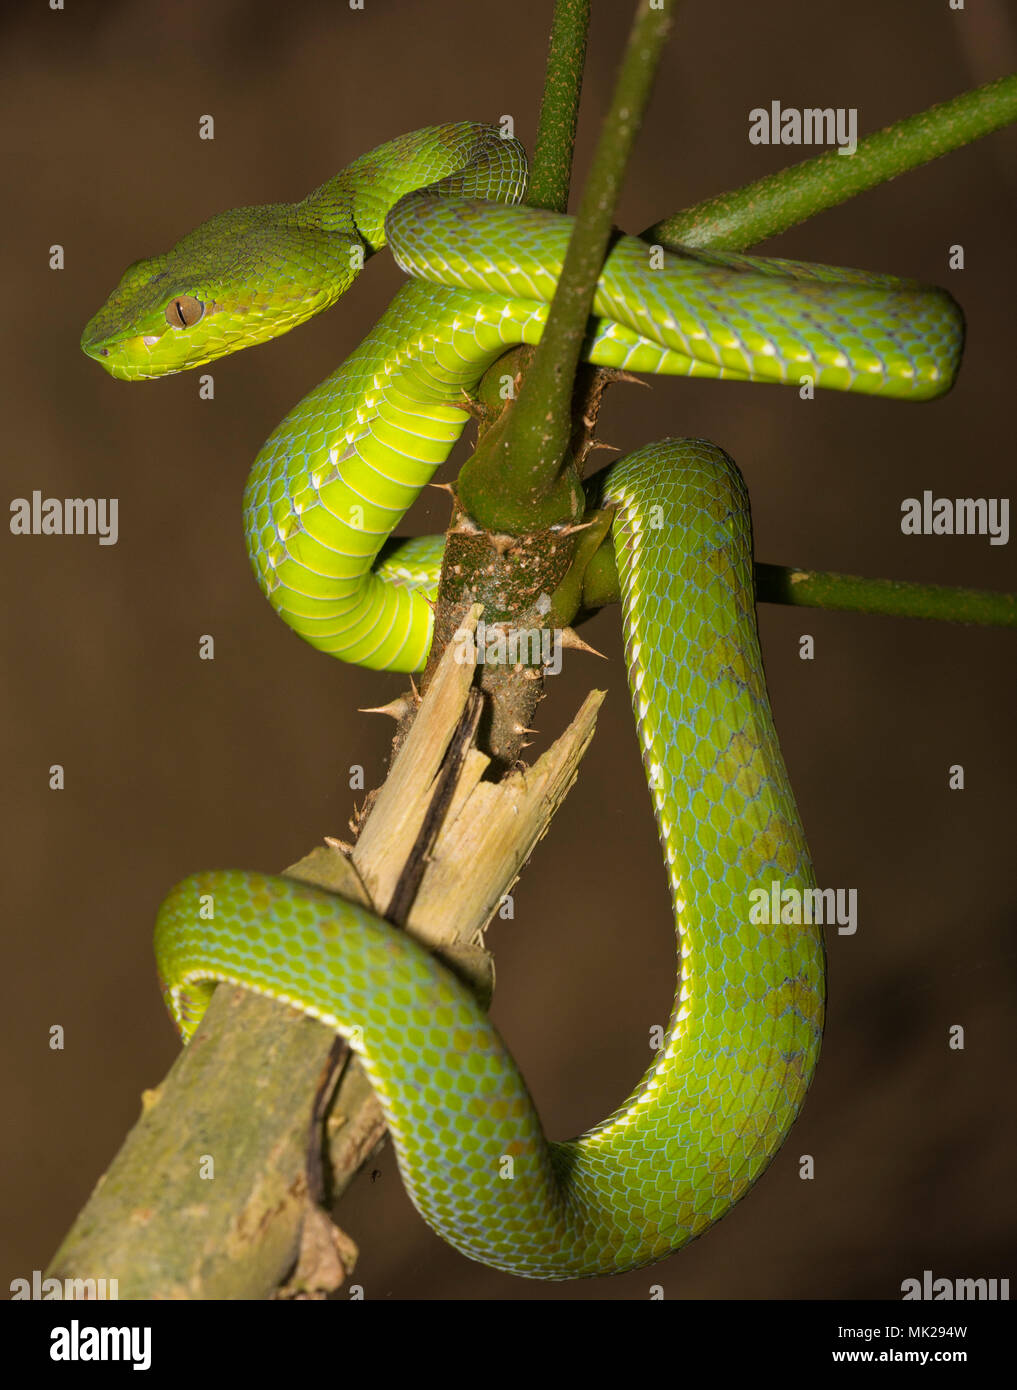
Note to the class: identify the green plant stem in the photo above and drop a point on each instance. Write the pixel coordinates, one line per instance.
(734, 221)
(896, 598)
(846, 593)
(515, 482)
(551, 173)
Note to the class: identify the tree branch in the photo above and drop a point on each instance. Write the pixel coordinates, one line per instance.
(212, 1194)
(846, 593)
(734, 221)
(551, 171)
(519, 479)
(893, 598)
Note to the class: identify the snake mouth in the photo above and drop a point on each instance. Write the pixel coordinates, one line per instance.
(128, 359)
(94, 347)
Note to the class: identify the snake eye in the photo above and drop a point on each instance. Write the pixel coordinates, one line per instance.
(183, 311)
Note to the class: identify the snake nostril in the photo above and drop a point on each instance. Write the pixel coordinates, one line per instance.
(104, 352)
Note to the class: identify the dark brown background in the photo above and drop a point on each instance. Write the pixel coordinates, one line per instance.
(174, 764)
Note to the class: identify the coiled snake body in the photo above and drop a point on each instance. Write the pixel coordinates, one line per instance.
(323, 497)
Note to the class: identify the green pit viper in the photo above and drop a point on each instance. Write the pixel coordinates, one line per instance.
(322, 500)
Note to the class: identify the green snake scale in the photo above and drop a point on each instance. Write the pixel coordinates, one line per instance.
(322, 500)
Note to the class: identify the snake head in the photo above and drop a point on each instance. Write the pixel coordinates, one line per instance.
(240, 278)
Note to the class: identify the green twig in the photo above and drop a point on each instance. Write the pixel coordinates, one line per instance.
(515, 482)
(846, 593)
(736, 220)
(551, 172)
(895, 598)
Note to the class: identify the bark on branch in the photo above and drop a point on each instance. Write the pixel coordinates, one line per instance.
(216, 1191)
